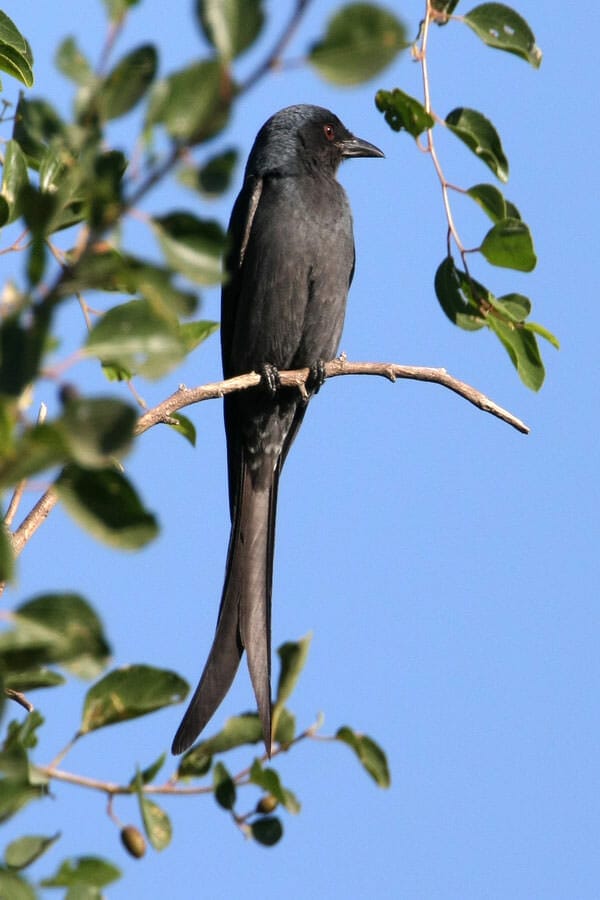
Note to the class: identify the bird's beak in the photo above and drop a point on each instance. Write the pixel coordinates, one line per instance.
(357, 147)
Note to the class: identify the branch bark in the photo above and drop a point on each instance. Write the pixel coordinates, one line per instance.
(297, 378)
(185, 396)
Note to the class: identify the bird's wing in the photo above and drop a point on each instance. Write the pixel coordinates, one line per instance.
(240, 227)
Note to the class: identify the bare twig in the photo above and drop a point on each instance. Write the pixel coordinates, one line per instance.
(297, 378)
(171, 786)
(34, 519)
(19, 698)
(184, 396)
(13, 505)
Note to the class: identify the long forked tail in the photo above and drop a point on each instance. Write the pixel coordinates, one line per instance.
(244, 616)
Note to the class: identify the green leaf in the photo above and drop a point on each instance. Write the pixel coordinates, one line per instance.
(146, 776)
(368, 752)
(521, 346)
(104, 195)
(68, 628)
(14, 177)
(501, 27)
(284, 730)
(98, 429)
(70, 60)
(105, 503)
(17, 786)
(7, 557)
(192, 246)
(267, 830)
(37, 208)
(445, 7)
(238, 731)
(513, 306)
(157, 824)
(63, 174)
(543, 332)
(134, 337)
(14, 887)
(32, 679)
(360, 41)
(21, 350)
(292, 658)
(194, 333)
(213, 178)
(22, 735)
(186, 121)
(39, 448)
(184, 427)
(118, 9)
(269, 781)
(458, 306)
(16, 57)
(84, 892)
(36, 261)
(481, 137)
(224, 788)
(4, 212)
(509, 244)
(84, 870)
(111, 270)
(401, 111)
(490, 199)
(21, 853)
(125, 86)
(231, 26)
(36, 123)
(130, 692)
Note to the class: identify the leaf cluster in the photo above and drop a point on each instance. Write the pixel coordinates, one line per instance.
(65, 193)
(57, 634)
(508, 243)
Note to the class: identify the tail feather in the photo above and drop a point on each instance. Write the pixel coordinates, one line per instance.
(217, 677)
(245, 613)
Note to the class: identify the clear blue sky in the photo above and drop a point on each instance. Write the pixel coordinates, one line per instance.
(446, 565)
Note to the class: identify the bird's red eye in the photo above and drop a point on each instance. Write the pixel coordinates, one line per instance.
(329, 132)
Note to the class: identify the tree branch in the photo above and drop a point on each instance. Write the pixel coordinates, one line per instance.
(341, 366)
(297, 378)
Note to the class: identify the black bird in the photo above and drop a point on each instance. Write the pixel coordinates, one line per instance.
(290, 265)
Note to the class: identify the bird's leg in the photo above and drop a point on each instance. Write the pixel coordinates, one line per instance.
(270, 379)
(316, 376)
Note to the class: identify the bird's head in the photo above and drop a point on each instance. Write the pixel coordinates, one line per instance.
(304, 138)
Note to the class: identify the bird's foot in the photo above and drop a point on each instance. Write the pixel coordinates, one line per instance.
(270, 379)
(316, 377)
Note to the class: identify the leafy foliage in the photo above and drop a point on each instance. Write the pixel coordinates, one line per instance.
(509, 243)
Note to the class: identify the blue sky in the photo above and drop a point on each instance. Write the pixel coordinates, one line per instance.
(446, 565)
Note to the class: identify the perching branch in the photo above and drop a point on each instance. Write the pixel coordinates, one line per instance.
(185, 396)
(172, 787)
(341, 366)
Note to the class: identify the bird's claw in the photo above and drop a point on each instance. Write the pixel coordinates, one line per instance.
(270, 378)
(317, 376)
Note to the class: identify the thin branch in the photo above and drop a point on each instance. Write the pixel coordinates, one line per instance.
(274, 57)
(170, 787)
(184, 396)
(297, 378)
(34, 519)
(19, 698)
(15, 500)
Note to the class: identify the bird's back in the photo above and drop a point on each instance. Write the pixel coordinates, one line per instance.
(288, 297)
